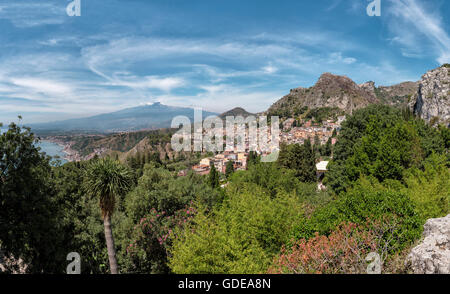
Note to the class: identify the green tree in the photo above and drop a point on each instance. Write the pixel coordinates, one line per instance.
(30, 226)
(334, 134)
(317, 147)
(108, 179)
(429, 188)
(367, 200)
(385, 152)
(354, 127)
(229, 169)
(158, 188)
(383, 142)
(328, 148)
(301, 159)
(213, 177)
(155, 157)
(252, 158)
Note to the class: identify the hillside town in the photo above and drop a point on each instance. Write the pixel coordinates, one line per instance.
(290, 134)
(298, 135)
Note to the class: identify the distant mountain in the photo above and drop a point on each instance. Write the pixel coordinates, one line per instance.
(146, 117)
(333, 91)
(238, 111)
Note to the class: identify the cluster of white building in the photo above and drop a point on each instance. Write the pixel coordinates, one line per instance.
(220, 161)
(298, 135)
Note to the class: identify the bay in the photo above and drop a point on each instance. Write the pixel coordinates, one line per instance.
(50, 148)
(53, 149)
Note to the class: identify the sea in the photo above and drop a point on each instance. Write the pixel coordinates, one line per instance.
(50, 148)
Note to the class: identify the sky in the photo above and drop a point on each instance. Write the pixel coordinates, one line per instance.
(213, 54)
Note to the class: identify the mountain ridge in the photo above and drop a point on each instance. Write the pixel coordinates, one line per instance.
(237, 111)
(146, 117)
(339, 91)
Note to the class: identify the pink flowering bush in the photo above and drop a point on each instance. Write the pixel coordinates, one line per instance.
(152, 237)
(343, 251)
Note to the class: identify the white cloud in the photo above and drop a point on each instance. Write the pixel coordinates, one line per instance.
(428, 28)
(30, 14)
(336, 57)
(220, 98)
(111, 73)
(148, 82)
(42, 86)
(269, 69)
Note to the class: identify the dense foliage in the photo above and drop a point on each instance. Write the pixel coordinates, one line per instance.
(243, 235)
(28, 206)
(300, 158)
(389, 173)
(383, 142)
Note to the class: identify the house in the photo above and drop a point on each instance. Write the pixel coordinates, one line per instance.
(242, 156)
(340, 119)
(201, 169)
(205, 161)
(322, 166)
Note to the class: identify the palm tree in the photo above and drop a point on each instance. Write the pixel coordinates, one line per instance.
(108, 179)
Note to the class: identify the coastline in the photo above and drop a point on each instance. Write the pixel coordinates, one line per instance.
(70, 154)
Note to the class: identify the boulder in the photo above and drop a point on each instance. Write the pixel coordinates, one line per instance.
(432, 255)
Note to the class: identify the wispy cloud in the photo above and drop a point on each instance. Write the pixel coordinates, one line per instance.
(337, 57)
(104, 61)
(333, 5)
(42, 85)
(30, 13)
(428, 28)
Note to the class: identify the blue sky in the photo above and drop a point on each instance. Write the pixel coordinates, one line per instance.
(213, 54)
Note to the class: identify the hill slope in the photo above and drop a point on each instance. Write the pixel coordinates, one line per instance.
(238, 111)
(329, 91)
(333, 91)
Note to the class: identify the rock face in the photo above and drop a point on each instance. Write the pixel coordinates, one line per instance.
(432, 255)
(432, 100)
(397, 95)
(343, 93)
(329, 91)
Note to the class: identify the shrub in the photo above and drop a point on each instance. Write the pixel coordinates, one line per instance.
(429, 189)
(343, 251)
(152, 237)
(241, 236)
(366, 198)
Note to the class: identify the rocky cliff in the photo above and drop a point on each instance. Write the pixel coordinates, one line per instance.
(432, 255)
(341, 92)
(432, 100)
(397, 95)
(329, 91)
